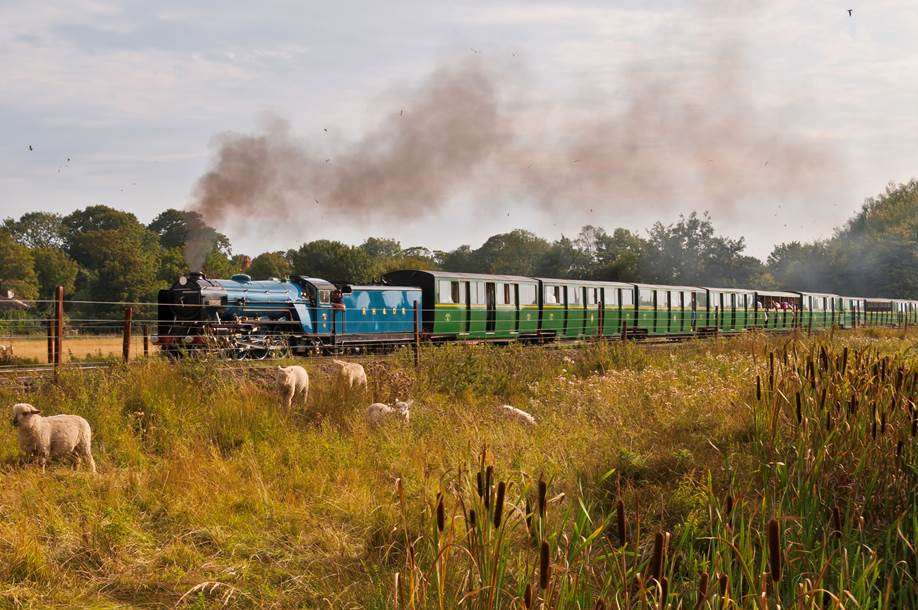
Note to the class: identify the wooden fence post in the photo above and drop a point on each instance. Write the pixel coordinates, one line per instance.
(126, 344)
(417, 335)
(601, 316)
(624, 328)
(59, 327)
(50, 326)
(146, 340)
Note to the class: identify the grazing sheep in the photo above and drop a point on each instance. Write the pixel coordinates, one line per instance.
(517, 414)
(294, 379)
(352, 373)
(378, 412)
(57, 436)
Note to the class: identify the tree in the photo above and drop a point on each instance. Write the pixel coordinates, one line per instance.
(54, 268)
(174, 227)
(562, 260)
(616, 257)
(37, 229)
(332, 261)
(381, 248)
(270, 264)
(517, 252)
(17, 268)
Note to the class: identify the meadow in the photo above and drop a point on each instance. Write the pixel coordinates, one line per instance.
(747, 472)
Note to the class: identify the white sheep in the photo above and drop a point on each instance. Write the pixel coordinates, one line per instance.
(56, 436)
(294, 379)
(352, 373)
(517, 414)
(378, 412)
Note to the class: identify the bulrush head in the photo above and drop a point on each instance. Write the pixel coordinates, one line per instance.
(775, 553)
(544, 566)
(499, 503)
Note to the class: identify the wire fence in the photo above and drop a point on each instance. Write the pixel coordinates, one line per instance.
(62, 332)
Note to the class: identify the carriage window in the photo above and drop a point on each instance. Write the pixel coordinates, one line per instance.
(646, 297)
(449, 291)
(574, 295)
(527, 294)
(325, 296)
(552, 295)
(611, 296)
(508, 294)
(701, 300)
(479, 293)
(675, 299)
(661, 299)
(627, 297)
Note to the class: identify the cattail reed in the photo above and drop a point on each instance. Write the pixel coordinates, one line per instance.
(758, 388)
(441, 513)
(702, 589)
(664, 591)
(828, 421)
(771, 371)
(799, 408)
(659, 556)
(473, 518)
(836, 521)
(489, 478)
(774, 549)
(899, 446)
(527, 596)
(844, 362)
(728, 511)
(622, 531)
(724, 584)
(822, 398)
(528, 514)
(600, 605)
(544, 566)
(479, 479)
(499, 503)
(543, 491)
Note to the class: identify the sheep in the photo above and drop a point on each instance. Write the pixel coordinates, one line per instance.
(294, 379)
(57, 436)
(517, 414)
(378, 412)
(352, 373)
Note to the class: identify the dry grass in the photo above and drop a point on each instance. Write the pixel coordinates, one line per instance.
(84, 348)
(210, 494)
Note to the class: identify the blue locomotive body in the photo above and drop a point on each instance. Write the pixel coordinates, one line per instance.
(257, 318)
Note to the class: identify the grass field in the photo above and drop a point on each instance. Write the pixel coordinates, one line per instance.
(86, 348)
(687, 477)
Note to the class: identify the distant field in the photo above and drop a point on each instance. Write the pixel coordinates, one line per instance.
(83, 348)
(750, 472)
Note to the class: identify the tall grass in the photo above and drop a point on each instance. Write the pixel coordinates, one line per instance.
(653, 477)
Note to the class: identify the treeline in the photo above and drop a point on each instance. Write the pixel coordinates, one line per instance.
(103, 254)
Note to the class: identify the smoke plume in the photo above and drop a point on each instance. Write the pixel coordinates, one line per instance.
(468, 130)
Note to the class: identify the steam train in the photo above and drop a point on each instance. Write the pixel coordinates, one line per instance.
(244, 318)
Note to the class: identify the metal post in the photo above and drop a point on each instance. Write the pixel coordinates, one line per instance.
(809, 325)
(50, 325)
(59, 327)
(417, 335)
(602, 315)
(624, 329)
(126, 344)
(146, 340)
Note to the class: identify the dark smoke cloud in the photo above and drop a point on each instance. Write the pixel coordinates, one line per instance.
(468, 130)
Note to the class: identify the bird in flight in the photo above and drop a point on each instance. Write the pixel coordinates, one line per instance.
(851, 12)
(30, 147)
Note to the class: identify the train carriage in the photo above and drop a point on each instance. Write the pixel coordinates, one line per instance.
(878, 312)
(669, 310)
(473, 305)
(776, 310)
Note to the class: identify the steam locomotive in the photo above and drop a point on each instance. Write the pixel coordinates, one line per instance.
(244, 318)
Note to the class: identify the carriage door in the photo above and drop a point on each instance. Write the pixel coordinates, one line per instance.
(467, 287)
(491, 304)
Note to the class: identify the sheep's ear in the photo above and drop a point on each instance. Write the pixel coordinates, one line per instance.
(35, 412)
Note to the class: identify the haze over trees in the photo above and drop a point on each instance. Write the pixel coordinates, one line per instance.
(103, 254)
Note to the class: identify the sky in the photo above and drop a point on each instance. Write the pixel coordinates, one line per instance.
(777, 119)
